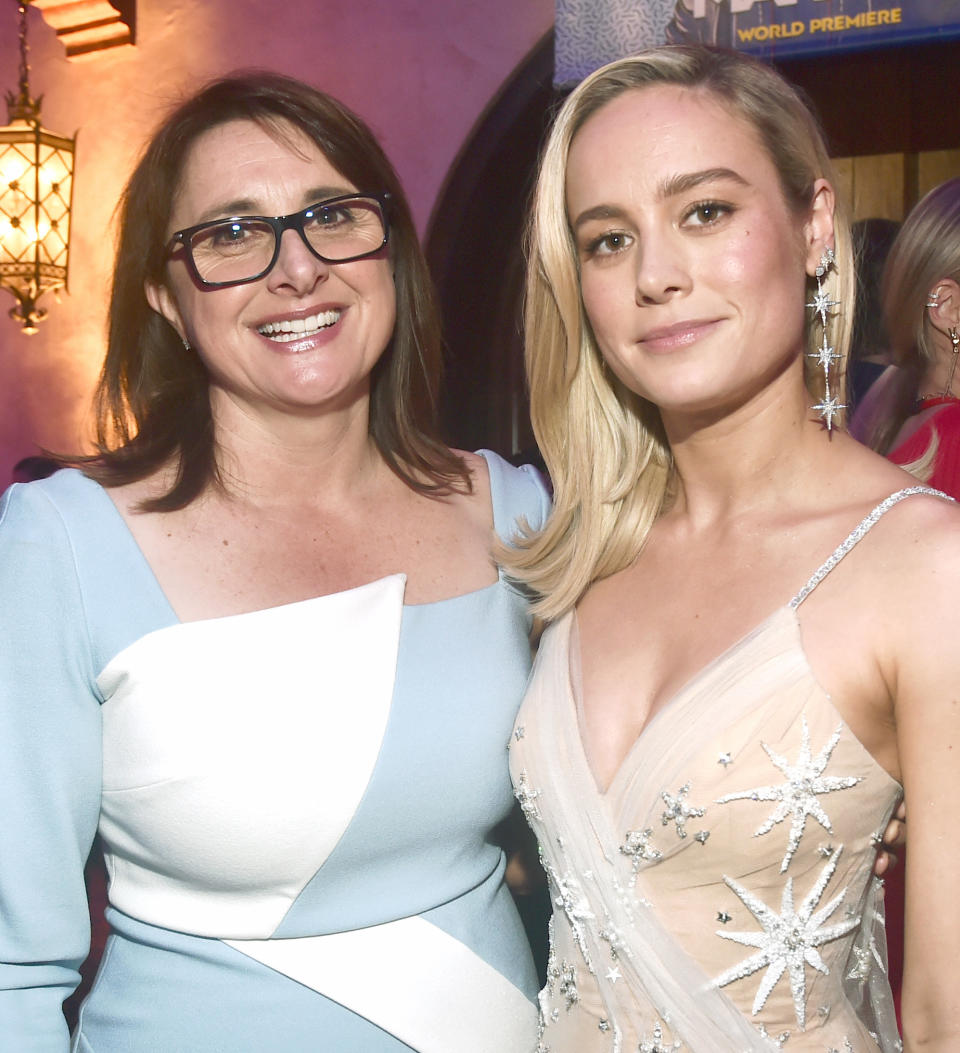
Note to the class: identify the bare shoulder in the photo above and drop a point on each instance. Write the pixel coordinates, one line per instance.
(926, 527)
(919, 550)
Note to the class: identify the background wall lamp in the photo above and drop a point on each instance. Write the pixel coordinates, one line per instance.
(36, 189)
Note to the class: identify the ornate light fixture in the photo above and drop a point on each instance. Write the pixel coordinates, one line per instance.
(36, 186)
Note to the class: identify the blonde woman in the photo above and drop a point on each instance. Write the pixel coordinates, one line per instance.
(750, 655)
(912, 414)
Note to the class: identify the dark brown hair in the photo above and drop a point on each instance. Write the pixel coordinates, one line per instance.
(152, 403)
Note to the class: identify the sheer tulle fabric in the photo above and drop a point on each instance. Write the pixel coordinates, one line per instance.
(644, 918)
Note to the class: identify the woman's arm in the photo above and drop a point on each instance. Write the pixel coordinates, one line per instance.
(927, 709)
(49, 773)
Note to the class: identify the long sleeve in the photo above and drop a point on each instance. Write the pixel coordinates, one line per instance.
(49, 771)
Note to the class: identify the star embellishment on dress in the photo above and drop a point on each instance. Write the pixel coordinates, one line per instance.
(678, 811)
(797, 796)
(789, 940)
(527, 796)
(656, 1044)
(571, 899)
(637, 846)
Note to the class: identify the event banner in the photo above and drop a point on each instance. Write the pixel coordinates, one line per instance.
(592, 32)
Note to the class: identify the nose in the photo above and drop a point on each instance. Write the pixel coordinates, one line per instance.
(662, 269)
(296, 268)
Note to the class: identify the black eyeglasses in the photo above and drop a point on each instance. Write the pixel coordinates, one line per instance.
(244, 248)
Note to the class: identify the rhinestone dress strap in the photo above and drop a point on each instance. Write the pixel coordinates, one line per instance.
(857, 534)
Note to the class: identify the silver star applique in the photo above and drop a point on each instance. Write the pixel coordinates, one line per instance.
(860, 969)
(779, 1041)
(678, 811)
(797, 796)
(656, 1044)
(527, 796)
(637, 846)
(788, 941)
(571, 899)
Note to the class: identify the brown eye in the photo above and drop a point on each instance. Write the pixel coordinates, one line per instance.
(608, 244)
(705, 213)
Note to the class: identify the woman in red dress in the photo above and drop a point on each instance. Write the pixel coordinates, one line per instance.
(912, 413)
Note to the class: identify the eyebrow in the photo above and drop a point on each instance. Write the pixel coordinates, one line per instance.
(247, 207)
(680, 184)
(670, 187)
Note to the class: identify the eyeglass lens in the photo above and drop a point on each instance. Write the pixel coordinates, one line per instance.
(240, 249)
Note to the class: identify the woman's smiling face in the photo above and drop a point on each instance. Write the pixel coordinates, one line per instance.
(242, 332)
(692, 264)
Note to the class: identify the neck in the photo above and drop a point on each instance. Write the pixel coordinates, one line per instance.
(757, 457)
(282, 458)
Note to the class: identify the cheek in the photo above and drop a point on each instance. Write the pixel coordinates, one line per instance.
(605, 302)
(385, 310)
(203, 313)
(763, 270)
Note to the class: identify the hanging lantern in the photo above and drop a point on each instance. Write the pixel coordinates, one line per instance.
(36, 186)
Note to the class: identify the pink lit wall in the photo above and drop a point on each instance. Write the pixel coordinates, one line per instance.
(420, 72)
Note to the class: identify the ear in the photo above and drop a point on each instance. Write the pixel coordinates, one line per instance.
(161, 300)
(818, 229)
(946, 314)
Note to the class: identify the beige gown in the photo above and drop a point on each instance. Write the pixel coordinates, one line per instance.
(719, 895)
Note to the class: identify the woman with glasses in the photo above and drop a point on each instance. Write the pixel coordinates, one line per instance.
(258, 640)
(751, 657)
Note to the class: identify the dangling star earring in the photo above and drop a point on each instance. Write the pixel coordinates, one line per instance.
(829, 406)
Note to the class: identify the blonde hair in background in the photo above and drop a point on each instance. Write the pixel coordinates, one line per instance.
(604, 446)
(926, 250)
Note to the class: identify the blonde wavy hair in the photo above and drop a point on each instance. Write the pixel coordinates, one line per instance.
(926, 250)
(604, 446)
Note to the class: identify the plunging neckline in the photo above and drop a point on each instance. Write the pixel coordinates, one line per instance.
(608, 796)
(856, 535)
(576, 688)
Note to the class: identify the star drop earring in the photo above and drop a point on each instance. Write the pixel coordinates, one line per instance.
(829, 406)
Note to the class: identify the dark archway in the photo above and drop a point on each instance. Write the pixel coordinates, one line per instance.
(474, 247)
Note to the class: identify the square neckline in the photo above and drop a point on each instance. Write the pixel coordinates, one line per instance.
(112, 511)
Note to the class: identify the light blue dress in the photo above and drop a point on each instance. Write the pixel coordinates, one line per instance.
(296, 804)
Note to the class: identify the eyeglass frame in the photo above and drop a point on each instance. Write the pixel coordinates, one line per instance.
(280, 224)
